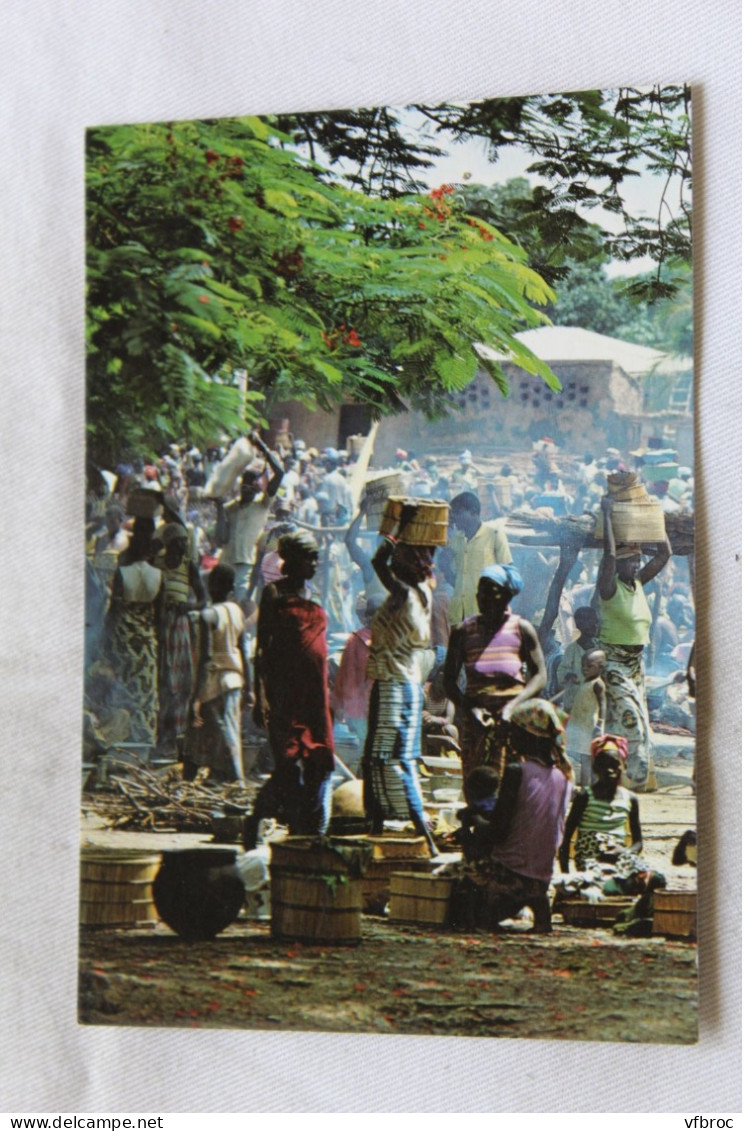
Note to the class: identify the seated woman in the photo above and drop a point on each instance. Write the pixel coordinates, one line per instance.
(520, 837)
(292, 701)
(605, 812)
(495, 648)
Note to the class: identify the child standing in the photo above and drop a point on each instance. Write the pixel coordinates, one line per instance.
(568, 672)
(587, 714)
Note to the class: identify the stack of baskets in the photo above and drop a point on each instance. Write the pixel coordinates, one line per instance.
(635, 516)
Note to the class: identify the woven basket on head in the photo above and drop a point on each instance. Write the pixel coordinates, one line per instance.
(428, 528)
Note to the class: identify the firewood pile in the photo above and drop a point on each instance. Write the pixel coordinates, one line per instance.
(579, 529)
(143, 800)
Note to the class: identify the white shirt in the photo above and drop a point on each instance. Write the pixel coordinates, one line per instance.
(246, 522)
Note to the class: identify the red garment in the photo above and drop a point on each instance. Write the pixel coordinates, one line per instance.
(352, 688)
(294, 668)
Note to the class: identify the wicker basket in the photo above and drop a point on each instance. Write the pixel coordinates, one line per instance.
(314, 896)
(498, 488)
(620, 481)
(116, 887)
(636, 493)
(420, 898)
(430, 526)
(675, 914)
(390, 855)
(579, 913)
(637, 521)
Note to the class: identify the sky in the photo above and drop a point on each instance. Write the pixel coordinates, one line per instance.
(470, 156)
(468, 160)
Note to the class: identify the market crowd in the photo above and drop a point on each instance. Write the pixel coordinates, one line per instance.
(245, 593)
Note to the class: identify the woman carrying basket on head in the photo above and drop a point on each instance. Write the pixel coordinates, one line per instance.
(400, 629)
(624, 632)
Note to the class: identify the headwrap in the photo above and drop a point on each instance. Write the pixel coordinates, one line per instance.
(543, 719)
(627, 550)
(609, 744)
(506, 576)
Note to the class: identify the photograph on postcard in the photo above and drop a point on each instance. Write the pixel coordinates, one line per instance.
(389, 691)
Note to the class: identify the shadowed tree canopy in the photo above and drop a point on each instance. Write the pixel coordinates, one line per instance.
(304, 250)
(587, 147)
(214, 246)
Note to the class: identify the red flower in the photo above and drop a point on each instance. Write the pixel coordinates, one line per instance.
(210, 156)
(204, 298)
(235, 223)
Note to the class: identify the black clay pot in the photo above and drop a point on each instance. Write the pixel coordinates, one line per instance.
(198, 891)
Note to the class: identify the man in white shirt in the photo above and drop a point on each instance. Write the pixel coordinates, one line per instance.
(241, 522)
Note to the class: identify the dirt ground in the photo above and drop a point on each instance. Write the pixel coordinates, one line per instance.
(574, 984)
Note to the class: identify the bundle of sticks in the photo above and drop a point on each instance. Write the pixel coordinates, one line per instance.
(144, 800)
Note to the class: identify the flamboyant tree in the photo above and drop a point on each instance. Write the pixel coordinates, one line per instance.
(587, 147)
(214, 246)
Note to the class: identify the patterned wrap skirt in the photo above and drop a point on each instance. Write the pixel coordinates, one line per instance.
(393, 747)
(133, 651)
(627, 710)
(176, 673)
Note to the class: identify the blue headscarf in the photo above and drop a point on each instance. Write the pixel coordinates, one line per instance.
(506, 576)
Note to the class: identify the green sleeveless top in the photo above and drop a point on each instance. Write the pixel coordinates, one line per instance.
(626, 617)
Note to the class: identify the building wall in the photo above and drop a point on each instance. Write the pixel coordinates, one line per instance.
(598, 407)
(594, 410)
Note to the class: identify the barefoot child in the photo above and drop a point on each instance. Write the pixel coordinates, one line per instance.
(587, 714)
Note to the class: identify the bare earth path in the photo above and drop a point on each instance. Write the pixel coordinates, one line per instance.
(575, 984)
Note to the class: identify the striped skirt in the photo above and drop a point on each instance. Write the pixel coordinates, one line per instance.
(393, 747)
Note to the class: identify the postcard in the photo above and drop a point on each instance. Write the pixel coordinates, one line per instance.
(389, 694)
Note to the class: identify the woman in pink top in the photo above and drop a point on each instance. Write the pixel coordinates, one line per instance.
(504, 666)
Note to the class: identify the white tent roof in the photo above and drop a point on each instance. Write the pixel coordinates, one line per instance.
(569, 343)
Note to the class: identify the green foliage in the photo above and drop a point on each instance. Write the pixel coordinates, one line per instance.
(587, 145)
(586, 297)
(214, 246)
